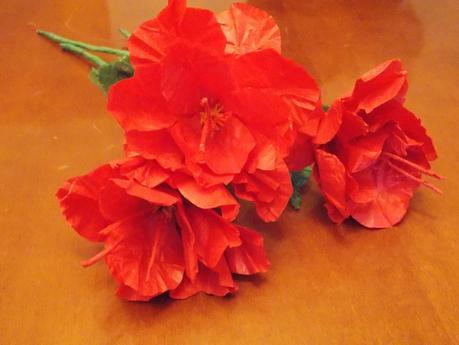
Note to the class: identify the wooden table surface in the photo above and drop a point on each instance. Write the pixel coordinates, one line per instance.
(328, 284)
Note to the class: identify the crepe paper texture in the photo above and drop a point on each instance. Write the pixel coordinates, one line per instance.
(375, 162)
(156, 239)
(213, 113)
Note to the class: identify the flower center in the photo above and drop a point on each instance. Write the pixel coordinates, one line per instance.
(391, 160)
(212, 118)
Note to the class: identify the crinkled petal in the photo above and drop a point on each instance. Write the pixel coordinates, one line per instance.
(207, 198)
(150, 42)
(78, 198)
(212, 233)
(409, 123)
(226, 149)
(190, 252)
(250, 257)
(216, 281)
(269, 189)
(249, 29)
(381, 84)
(162, 195)
(364, 151)
(206, 177)
(146, 172)
(268, 70)
(156, 145)
(388, 195)
(115, 204)
(144, 254)
(331, 177)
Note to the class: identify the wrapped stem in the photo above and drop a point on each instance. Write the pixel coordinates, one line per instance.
(94, 48)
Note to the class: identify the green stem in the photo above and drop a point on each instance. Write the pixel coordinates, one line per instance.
(101, 49)
(95, 60)
(124, 33)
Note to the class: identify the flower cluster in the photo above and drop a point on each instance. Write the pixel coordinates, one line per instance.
(212, 113)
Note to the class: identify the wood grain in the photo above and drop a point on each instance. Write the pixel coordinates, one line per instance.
(328, 284)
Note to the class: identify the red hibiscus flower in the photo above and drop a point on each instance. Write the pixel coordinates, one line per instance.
(203, 109)
(158, 238)
(372, 167)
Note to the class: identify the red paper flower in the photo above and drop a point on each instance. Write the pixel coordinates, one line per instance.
(158, 238)
(204, 109)
(371, 168)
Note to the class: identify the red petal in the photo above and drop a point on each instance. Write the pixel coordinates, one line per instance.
(115, 204)
(301, 153)
(156, 145)
(250, 257)
(388, 194)
(364, 151)
(270, 190)
(226, 149)
(136, 103)
(408, 122)
(150, 42)
(188, 243)
(191, 72)
(380, 85)
(206, 177)
(208, 198)
(216, 281)
(331, 177)
(147, 173)
(352, 125)
(330, 123)
(161, 195)
(268, 70)
(249, 29)
(78, 198)
(262, 111)
(146, 255)
(213, 234)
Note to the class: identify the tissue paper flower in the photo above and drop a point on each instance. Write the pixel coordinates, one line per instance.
(212, 111)
(209, 108)
(157, 238)
(372, 167)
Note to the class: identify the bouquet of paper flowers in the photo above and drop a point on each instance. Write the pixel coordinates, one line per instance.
(213, 113)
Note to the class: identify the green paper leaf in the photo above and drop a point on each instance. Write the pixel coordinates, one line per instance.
(111, 72)
(299, 179)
